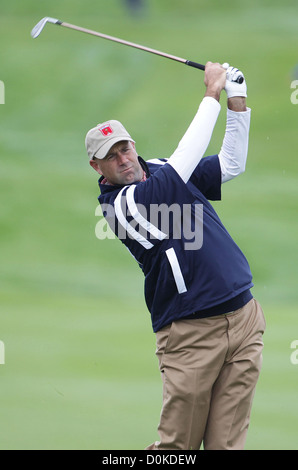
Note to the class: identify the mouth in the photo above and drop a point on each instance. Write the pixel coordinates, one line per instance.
(126, 169)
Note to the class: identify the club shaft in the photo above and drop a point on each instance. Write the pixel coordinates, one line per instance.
(132, 44)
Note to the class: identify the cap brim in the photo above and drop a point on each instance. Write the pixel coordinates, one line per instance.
(103, 151)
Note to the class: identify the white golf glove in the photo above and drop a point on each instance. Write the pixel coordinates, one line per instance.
(233, 88)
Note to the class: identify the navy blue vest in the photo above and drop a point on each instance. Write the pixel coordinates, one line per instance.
(192, 266)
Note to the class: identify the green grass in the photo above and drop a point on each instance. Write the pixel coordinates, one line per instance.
(80, 370)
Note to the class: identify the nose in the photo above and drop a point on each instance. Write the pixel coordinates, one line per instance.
(122, 158)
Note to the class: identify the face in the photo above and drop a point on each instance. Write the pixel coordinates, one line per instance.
(120, 165)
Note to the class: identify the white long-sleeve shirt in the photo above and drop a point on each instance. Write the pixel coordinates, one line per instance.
(195, 141)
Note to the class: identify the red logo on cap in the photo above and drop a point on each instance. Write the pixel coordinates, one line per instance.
(106, 130)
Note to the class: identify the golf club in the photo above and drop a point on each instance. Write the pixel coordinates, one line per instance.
(41, 24)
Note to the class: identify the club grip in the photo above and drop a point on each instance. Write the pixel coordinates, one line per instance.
(202, 67)
(195, 64)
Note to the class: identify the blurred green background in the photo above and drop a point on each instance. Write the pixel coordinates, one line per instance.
(80, 370)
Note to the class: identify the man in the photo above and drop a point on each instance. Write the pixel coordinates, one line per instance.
(208, 325)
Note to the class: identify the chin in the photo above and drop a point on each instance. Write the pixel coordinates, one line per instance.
(129, 179)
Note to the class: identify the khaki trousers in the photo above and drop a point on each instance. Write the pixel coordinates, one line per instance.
(209, 369)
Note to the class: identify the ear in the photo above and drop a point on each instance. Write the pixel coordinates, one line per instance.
(95, 166)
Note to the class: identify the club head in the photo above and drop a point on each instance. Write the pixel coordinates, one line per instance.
(39, 27)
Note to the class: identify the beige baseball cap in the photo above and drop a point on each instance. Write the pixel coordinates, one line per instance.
(101, 138)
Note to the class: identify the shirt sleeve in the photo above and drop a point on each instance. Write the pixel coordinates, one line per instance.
(195, 141)
(233, 153)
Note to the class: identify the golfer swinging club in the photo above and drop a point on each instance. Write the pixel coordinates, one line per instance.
(208, 325)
